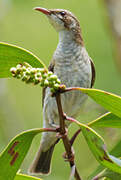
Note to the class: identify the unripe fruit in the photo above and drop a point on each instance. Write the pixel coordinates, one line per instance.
(13, 70)
(56, 86)
(50, 73)
(53, 77)
(46, 82)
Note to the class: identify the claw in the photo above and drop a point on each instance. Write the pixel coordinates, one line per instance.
(65, 156)
(59, 135)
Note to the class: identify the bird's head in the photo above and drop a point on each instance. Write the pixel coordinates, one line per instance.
(62, 20)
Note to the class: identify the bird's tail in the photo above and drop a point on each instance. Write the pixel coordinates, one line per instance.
(42, 161)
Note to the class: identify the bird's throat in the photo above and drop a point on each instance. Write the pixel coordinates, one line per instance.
(66, 37)
(68, 49)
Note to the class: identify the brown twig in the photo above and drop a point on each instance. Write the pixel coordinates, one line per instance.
(65, 139)
(76, 133)
(61, 91)
(50, 130)
(74, 136)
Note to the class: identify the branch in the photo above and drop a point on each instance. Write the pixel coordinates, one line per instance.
(50, 130)
(65, 139)
(74, 136)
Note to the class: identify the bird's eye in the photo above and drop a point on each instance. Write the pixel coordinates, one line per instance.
(62, 13)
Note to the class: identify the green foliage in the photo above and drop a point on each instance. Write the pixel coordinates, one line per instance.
(25, 177)
(98, 148)
(14, 154)
(108, 174)
(106, 120)
(11, 55)
(115, 151)
(109, 101)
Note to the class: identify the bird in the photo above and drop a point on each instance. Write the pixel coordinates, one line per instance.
(74, 67)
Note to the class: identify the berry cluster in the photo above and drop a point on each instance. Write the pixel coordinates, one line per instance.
(41, 76)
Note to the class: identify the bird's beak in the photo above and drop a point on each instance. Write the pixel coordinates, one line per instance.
(43, 10)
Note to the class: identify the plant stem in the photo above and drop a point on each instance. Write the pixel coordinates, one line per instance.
(74, 136)
(65, 139)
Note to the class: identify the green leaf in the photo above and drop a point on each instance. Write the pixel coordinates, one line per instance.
(12, 157)
(25, 177)
(109, 101)
(108, 174)
(98, 170)
(115, 151)
(106, 120)
(11, 55)
(98, 148)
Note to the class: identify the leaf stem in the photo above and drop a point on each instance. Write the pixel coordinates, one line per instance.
(50, 129)
(74, 136)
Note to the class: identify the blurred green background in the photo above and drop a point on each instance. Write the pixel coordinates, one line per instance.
(20, 104)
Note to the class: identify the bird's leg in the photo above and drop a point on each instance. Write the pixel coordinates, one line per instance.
(59, 135)
(65, 156)
(53, 125)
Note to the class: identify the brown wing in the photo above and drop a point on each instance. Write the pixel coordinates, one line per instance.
(50, 68)
(93, 73)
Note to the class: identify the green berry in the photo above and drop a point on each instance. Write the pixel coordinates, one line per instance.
(38, 75)
(52, 90)
(41, 70)
(24, 78)
(27, 72)
(42, 83)
(14, 75)
(53, 77)
(51, 83)
(19, 66)
(58, 81)
(46, 82)
(38, 69)
(44, 76)
(33, 70)
(50, 73)
(18, 71)
(29, 80)
(36, 80)
(56, 86)
(24, 68)
(27, 65)
(13, 70)
(18, 76)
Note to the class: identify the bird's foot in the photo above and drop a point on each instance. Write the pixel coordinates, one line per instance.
(54, 126)
(61, 135)
(68, 159)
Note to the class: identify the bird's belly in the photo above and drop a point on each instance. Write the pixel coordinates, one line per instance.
(71, 101)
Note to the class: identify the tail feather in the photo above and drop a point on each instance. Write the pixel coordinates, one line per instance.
(41, 164)
(42, 161)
